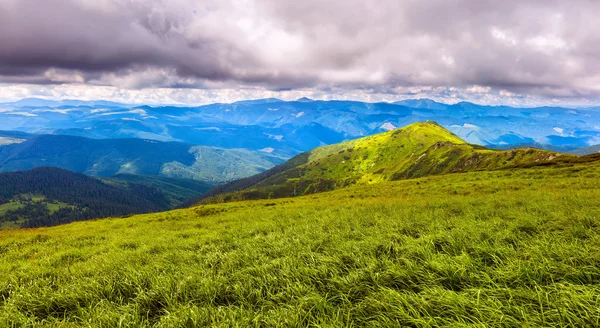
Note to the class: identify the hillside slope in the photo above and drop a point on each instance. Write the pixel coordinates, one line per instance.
(176, 190)
(417, 150)
(48, 196)
(510, 248)
(107, 157)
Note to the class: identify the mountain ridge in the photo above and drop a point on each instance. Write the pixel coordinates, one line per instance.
(278, 124)
(417, 150)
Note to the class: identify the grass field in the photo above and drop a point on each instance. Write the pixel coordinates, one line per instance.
(507, 248)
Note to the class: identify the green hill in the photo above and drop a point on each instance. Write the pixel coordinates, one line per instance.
(417, 150)
(507, 248)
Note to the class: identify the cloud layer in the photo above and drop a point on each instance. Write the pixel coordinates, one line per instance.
(539, 48)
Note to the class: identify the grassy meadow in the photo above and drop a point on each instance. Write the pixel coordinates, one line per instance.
(507, 248)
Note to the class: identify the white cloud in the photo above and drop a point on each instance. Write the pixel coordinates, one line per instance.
(22, 114)
(276, 137)
(547, 43)
(100, 110)
(503, 36)
(227, 50)
(58, 111)
(388, 126)
(140, 112)
(158, 96)
(210, 128)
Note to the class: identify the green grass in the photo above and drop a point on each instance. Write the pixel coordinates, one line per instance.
(9, 225)
(55, 207)
(12, 205)
(506, 248)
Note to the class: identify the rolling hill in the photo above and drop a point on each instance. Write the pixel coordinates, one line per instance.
(107, 157)
(47, 196)
(417, 150)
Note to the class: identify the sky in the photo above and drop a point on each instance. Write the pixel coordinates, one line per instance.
(522, 53)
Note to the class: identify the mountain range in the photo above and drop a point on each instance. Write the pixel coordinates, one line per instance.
(287, 128)
(107, 157)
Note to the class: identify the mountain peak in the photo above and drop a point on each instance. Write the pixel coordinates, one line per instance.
(424, 103)
(258, 101)
(304, 99)
(430, 132)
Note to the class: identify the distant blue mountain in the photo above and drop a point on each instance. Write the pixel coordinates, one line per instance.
(258, 101)
(107, 157)
(286, 128)
(422, 103)
(304, 99)
(587, 150)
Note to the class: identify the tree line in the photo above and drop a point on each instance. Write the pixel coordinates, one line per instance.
(89, 197)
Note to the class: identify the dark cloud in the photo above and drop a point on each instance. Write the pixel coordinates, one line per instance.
(543, 47)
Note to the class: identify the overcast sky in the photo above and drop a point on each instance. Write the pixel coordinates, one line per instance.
(525, 52)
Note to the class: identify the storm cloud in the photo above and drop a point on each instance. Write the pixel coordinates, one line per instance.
(543, 48)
